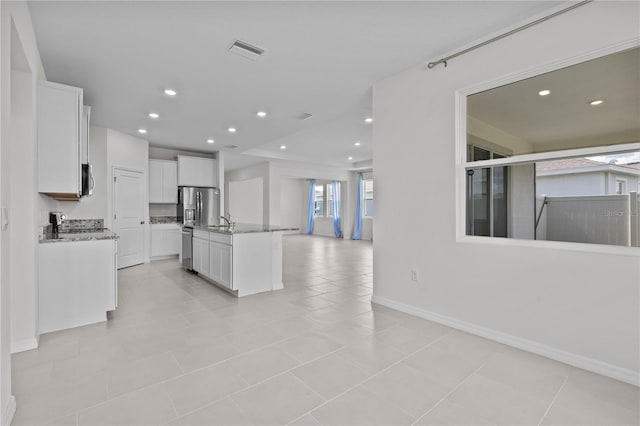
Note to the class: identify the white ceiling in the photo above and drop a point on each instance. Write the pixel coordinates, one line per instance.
(565, 116)
(321, 57)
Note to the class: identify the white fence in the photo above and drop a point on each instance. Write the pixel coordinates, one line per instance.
(601, 219)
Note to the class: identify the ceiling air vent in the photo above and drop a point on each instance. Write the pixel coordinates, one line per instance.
(304, 116)
(246, 50)
(231, 146)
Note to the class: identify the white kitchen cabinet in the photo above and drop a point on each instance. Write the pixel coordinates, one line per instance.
(163, 182)
(77, 283)
(165, 239)
(60, 129)
(220, 267)
(245, 263)
(201, 256)
(197, 171)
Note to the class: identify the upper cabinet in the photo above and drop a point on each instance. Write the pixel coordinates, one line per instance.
(197, 171)
(163, 182)
(60, 129)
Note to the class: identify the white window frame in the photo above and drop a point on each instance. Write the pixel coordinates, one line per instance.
(624, 183)
(364, 215)
(326, 209)
(324, 199)
(462, 163)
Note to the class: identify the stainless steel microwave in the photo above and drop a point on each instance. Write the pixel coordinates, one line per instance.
(88, 183)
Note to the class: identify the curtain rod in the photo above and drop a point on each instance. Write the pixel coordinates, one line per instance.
(431, 65)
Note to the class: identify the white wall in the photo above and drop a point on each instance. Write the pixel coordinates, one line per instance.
(293, 194)
(260, 171)
(245, 200)
(568, 185)
(522, 195)
(19, 52)
(498, 140)
(578, 306)
(23, 213)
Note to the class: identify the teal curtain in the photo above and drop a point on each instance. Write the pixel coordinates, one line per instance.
(358, 226)
(312, 187)
(335, 208)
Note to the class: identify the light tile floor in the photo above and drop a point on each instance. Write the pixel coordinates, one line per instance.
(180, 351)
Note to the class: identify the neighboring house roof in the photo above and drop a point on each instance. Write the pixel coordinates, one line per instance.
(584, 165)
(569, 163)
(631, 165)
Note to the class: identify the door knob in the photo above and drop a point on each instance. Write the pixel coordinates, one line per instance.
(142, 223)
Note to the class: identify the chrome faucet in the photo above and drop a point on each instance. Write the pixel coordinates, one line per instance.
(227, 220)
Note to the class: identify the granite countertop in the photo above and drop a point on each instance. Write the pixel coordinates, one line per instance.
(244, 228)
(156, 220)
(79, 235)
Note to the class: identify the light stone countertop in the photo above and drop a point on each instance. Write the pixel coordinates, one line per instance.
(244, 228)
(79, 235)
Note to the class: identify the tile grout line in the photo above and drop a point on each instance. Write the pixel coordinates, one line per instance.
(555, 397)
(453, 390)
(282, 373)
(370, 378)
(208, 366)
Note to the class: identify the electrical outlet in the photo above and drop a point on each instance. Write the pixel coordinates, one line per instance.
(414, 275)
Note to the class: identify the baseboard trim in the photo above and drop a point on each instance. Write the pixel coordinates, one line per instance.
(595, 366)
(24, 345)
(9, 411)
(170, 256)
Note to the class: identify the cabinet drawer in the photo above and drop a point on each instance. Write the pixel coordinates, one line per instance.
(197, 233)
(221, 238)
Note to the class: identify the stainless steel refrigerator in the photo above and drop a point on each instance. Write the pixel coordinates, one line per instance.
(196, 207)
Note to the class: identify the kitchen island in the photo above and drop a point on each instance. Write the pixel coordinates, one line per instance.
(243, 259)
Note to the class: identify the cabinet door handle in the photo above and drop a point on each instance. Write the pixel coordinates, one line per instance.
(142, 222)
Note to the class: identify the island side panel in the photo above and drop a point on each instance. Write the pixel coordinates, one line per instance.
(252, 263)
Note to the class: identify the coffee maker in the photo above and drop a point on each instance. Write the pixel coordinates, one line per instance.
(56, 219)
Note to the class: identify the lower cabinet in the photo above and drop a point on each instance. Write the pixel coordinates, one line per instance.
(220, 266)
(77, 283)
(201, 256)
(165, 240)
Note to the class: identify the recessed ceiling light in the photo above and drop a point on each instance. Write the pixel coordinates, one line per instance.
(170, 92)
(357, 144)
(143, 131)
(210, 141)
(261, 114)
(283, 147)
(154, 115)
(349, 158)
(596, 102)
(368, 120)
(232, 130)
(544, 92)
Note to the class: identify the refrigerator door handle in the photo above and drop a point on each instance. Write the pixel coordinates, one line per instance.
(199, 207)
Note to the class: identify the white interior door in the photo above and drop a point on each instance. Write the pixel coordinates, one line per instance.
(128, 220)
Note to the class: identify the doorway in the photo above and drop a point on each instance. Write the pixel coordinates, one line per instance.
(128, 215)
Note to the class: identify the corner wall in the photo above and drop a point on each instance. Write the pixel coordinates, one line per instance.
(18, 52)
(576, 306)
